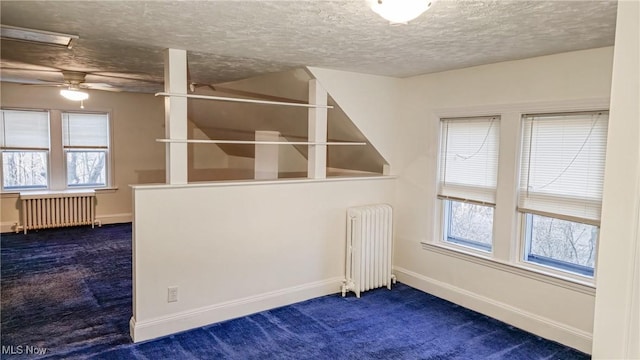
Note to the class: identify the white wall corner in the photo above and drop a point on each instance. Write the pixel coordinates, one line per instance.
(617, 303)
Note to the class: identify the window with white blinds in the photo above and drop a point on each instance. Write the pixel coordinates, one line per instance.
(24, 144)
(85, 130)
(85, 137)
(21, 129)
(53, 150)
(469, 159)
(562, 167)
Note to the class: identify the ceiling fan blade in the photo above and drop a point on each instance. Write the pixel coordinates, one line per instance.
(18, 65)
(45, 85)
(100, 86)
(11, 68)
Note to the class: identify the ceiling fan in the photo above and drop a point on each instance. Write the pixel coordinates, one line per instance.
(40, 75)
(74, 82)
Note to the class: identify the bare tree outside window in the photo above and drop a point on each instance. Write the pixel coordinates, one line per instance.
(86, 168)
(564, 241)
(24, 169)
(470, 224)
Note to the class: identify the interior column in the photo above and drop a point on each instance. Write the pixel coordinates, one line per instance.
(317, 156)
(175, 115)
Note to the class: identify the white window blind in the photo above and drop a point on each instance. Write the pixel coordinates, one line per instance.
(469, 158)
(85, 130)
(562, 167)
(24, 130)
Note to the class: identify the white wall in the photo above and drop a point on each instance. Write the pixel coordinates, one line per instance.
(617, 316)
(371, 102)
(137, 120)
(237, 248)
(553, 309)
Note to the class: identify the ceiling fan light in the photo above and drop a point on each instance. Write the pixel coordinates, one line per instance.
(75, 95)
(400, 11)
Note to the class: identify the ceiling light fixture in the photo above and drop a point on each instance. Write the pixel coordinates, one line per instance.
(37, 36)
(74, 94)
(400, 11)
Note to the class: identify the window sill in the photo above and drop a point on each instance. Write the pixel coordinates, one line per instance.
(106, 190)
(584, 287)
(16, 194)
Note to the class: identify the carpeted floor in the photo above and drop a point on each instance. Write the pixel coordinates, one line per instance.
(68, 292)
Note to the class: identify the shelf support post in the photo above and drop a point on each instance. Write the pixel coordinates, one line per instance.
(175, 115)
(317, 154)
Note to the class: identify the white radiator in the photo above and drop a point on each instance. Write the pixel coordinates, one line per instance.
(43, 210)
(369, 240)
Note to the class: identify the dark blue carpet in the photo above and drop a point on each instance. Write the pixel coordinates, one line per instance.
(69, 291)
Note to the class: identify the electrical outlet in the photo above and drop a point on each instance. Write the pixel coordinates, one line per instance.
(172, 294)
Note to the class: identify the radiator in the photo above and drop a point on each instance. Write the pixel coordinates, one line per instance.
(43, 210)
(369, 241)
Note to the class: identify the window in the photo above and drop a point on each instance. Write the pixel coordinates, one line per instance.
(85, 140)
(53, 150)
(24, 137)
(561, 177)
(468, 176)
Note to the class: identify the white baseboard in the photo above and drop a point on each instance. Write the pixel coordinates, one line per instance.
(536, 324)
(173, 323)
(7, 226)
(115, 218)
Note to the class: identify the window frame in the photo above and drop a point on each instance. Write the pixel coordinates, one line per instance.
(507, 237)
(525, 220)
(56, 157)
(461, 242)
(464, 245)
(69, 148)
(28, 187)
(550, 263)
(545, 270)
(86, 186)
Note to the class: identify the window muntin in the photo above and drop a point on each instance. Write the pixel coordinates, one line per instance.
(468, 179)
(24, 143)
(562, 172)
(86, 145)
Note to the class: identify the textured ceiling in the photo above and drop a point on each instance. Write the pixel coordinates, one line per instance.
(230, 40)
